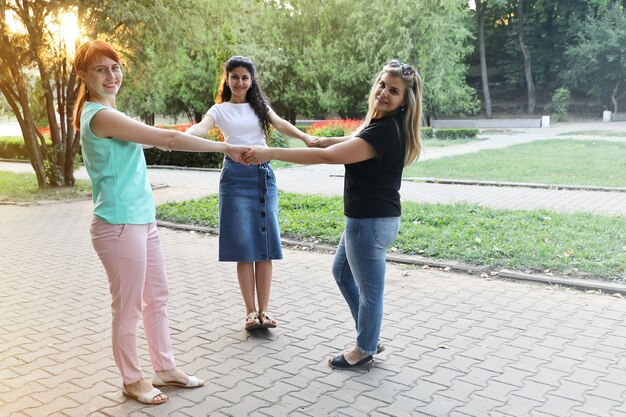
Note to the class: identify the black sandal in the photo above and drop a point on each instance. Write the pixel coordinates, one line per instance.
(340, 362)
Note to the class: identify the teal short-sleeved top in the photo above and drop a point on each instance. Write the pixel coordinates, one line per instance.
(117, 168)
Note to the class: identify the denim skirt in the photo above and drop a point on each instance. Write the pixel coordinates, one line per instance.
(248, 210)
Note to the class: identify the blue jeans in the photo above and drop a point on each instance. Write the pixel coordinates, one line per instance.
(359, 269)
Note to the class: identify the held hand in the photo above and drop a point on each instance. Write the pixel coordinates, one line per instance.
(309, 140)
(257, 155)
(236, 153)
(321, 142)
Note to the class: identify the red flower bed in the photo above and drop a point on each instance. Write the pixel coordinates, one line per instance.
(334, 127)
(349, 125)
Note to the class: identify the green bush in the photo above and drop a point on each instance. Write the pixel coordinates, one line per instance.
(427, 132)
(156, 156)
(13, 147)
(560, 104)
(277, 140)
(452, 134)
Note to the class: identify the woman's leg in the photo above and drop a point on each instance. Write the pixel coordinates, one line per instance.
(122, 250)
(366, 242)
(263, 278)
(155, 295)
(345, 281)
(245, 275)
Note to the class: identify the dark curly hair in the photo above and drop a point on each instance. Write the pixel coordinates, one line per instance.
(254, 96)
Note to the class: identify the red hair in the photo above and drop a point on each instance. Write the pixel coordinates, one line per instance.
(85, 55)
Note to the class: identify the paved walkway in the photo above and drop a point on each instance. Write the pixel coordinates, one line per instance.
(457, 345)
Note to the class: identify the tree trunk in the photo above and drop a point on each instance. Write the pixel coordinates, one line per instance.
(614, 97)
(530, 86)
(480, 14)
(72, 139)
(148, 118)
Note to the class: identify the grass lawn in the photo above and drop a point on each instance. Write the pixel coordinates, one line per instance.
(557, 161)
(605, 133)
(426, 143)
(582, 245)
(16, 187)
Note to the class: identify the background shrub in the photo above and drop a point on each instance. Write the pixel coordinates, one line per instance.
(560, 104)
(13, 148)
(427, 132)
(456, 133)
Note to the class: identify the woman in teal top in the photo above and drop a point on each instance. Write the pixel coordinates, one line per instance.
(123, 230)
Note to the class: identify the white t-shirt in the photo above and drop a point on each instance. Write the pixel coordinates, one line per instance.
(239, 124)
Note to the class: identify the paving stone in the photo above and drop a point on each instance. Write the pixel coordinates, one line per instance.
(504, 339)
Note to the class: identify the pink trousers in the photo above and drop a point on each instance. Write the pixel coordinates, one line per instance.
(133, 259)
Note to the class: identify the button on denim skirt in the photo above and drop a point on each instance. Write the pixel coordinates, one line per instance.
(248, 209)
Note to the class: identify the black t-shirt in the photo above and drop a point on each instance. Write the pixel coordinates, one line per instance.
(371, 187)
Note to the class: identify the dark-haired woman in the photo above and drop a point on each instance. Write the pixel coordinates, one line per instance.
(248, 197)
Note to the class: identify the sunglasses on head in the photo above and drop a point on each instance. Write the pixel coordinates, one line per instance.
(407, 70)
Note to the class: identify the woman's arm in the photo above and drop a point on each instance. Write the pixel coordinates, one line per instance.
(288, 129)
(111, 124)
(347, 152)
(325, 142)
(201, 129)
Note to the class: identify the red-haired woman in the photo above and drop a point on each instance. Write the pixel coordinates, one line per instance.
(123, 230)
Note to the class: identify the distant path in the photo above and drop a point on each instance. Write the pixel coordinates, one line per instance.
(328, 179)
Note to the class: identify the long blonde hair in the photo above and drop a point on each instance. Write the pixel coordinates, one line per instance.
(412, 109)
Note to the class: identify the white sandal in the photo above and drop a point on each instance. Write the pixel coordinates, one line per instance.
(146, 397)
(266, 320)
(192, 382)
(254, 324)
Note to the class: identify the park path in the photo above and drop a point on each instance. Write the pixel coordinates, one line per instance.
(328, 179)
(457, 345)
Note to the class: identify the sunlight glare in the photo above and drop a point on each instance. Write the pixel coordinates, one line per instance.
(68, 29)
(13, 22)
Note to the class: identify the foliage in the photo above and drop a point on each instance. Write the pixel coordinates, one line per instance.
(312, 63)
(578, 244)
(449, 133)
(561, 161)
(427, 132)
(560, 103)
(596, 61)
(156, 156)
(278, 141)
(13, 148)
(38, 105)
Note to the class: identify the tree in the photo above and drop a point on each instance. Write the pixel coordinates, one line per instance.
(38, 48)
(320, 57)
(528, 72)
(480, 22)
(597, 61)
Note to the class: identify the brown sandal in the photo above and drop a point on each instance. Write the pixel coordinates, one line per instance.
(252, 321)
(266, 320)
